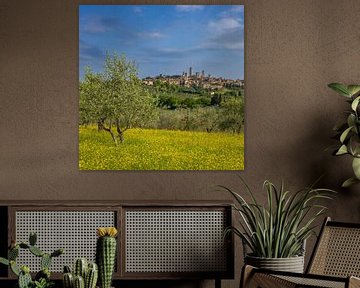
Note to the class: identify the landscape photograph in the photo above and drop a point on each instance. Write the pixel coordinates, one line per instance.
(161, 87)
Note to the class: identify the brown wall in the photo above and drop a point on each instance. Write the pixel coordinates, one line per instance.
(293, 50)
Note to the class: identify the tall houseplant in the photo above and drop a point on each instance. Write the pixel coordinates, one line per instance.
(279, 229)
(348, 132)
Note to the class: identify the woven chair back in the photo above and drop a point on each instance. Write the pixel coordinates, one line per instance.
(337, 252)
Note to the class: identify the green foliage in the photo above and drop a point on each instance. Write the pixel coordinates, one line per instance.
(116, 97)
(349, 131)
(43, 283)
(151, 149)
(232, 115)
(25, 280)
(85, 274)
(279, 229)
(42, 278)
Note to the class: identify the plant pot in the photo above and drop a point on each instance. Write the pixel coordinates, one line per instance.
(291, 264)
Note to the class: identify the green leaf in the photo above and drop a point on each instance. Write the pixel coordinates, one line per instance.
(355, 103)
(349, 182)
(342, 150)
(351, 120)
(356, 167)
(354, 146)
(340, 88)
(353, 89)
(14, 268)
(4, 261)
(345, 134)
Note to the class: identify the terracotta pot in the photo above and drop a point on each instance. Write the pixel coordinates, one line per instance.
(291, 264)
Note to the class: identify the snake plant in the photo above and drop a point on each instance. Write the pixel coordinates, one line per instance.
(279, 228)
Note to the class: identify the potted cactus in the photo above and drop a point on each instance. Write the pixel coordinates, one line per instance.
(106, 254)
(85, 275)
(42, 278)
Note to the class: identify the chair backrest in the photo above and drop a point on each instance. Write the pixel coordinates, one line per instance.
(337, 251)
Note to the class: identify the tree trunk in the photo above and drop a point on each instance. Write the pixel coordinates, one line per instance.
(120, 131)
(111, 133)
(100, 124)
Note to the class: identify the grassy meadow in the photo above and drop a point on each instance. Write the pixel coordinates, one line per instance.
(155, 149)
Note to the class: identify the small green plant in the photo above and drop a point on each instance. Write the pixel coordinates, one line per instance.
(279, 229)
(349, 131)
(42, 278)
(105, 254)
(85, 275)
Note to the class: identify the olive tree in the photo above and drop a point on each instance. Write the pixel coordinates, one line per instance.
(232, 115)
(116, 99)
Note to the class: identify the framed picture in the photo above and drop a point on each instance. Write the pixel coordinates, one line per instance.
(161, 87)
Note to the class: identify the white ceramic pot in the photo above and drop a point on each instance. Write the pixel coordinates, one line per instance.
(291, 264)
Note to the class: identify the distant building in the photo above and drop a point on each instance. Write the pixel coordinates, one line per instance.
(197, 80)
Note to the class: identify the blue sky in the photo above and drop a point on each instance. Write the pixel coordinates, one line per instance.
(165, 39)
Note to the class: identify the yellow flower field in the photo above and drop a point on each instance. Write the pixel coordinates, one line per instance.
(152, 149)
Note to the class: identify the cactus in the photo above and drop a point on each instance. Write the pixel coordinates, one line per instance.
(24, 246)
(91, 276)
(13, 253)
(44, 273)
(14, 268)
(87, 272)
(4, 261)
(36, 251)
(105, 254)
(32, 238)
(57, 252)
(80, 268)
(67, 269)
(45, 261)
(79, 282)
(24, 278)
(68, 280)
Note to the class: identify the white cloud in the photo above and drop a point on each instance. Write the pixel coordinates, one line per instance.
(234, 11)
(225, 24)
(189, 8)
(237, 8)
(152, 35)
(99, 24)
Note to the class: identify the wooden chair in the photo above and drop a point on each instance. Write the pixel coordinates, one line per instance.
(334, 263)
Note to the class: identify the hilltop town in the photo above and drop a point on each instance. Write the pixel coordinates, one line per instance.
(197, 79)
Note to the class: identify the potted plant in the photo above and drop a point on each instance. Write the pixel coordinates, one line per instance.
(84, 274)
(276, 233)
(42, 278)
(348, 132)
